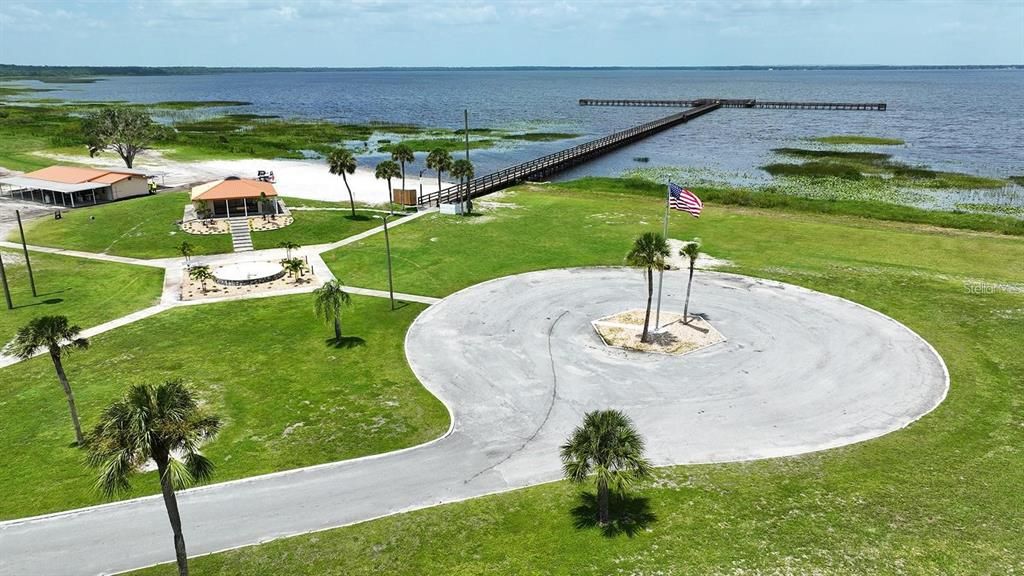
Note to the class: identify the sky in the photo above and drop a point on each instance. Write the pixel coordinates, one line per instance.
(365, 33)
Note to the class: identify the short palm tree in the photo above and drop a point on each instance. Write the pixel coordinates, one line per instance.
(163, 423)
(403, 153)
(439, 160)
(329, 300)
(186, 251)
(649, 251)
(341, 161)
(691, 250)
(288, 246)
(386, 170)
(200, 274)
(463, 170)
(56, 336)
(608, 446)
(294, 266)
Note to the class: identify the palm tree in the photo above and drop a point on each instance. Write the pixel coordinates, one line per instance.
(186, 251)
(463, 170)
(329, 300)
(649, 251)
(294, 267)
(403, 153)
(288, 246)
(440, 161)
(691, 250)
(341, 161)
(608, 446)
(162, 423)
(53, 334)
(200, 274)
(386, 170)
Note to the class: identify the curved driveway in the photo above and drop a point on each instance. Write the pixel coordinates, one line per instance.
(517, 363)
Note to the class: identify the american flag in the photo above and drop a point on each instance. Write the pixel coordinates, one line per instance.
(683, 199)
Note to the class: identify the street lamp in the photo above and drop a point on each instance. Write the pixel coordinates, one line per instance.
(387, 248)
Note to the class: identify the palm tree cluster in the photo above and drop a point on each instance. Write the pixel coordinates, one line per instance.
(162, 423)
(649, 252)
(201, 274)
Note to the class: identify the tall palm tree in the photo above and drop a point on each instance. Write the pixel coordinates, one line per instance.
(608, 446)
(691, 250)
(288, 246)
(200, 274)
(341, 161)
(439, 160)
(463, 170)
(163, 423)
(403, 153)
(186, 250)
(386, 170)
(649, 251)
(330, 298)
(53, 334)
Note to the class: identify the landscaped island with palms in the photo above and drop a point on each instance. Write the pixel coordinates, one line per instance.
(443, 320)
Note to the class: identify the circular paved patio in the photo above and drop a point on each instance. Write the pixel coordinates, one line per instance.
(518, 362)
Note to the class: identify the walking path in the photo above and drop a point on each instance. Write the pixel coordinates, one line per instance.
(174, 270)
(517, 364)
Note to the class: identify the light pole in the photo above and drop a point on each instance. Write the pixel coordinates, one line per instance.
(24, 247)
(387, 248)
(3, 279)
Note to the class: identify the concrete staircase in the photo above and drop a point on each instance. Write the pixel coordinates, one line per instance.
(241, 240)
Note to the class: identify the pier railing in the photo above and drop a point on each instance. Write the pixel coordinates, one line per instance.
(737, 103)
(559, 161)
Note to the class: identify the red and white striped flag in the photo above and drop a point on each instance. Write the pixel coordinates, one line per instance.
(683, 199)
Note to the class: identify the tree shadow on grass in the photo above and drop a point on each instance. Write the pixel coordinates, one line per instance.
(345, 342)
(627, 514)
(358, 217)
(41, 302)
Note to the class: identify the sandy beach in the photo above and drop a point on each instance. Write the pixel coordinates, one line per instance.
(307, 179)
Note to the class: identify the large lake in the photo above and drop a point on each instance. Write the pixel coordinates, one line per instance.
(960, 120)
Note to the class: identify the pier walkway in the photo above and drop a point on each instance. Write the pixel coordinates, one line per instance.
(559, 161)
(736, 103)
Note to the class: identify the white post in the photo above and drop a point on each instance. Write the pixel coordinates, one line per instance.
(245, 207)
(227, 207)
(661, 273)
(72, 199)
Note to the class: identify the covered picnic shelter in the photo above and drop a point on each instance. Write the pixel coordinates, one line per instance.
(233, 197)
(73, 186)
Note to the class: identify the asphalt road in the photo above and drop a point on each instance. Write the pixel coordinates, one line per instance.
(517, 363)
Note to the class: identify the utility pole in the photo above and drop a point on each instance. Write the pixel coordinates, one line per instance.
(24, 247)
(3, 280)
(387, 247)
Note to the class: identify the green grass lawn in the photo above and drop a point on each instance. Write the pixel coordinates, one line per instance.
(143, 227)
(317, 227)
(288, 397)
(146, 227)
(568, 225)
(88, 292)
(940, 497)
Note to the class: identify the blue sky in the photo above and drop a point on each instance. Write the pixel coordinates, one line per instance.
(508, 33)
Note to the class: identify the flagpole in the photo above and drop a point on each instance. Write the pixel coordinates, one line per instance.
(661, 272)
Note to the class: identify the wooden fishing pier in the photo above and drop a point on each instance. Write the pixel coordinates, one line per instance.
(737, 103)
(559, 161)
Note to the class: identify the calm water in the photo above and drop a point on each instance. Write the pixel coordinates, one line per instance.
(971, 121)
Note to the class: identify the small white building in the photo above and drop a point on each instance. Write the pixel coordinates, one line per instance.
(72, 186)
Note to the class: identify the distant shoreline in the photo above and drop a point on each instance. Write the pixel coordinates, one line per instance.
(28, 72)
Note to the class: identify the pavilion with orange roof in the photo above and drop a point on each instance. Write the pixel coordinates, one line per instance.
(235, 197)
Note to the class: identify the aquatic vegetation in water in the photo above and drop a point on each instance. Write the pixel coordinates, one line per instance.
(858, 139)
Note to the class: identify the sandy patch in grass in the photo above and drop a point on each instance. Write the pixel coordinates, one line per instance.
(704, 261)
(623, 330)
